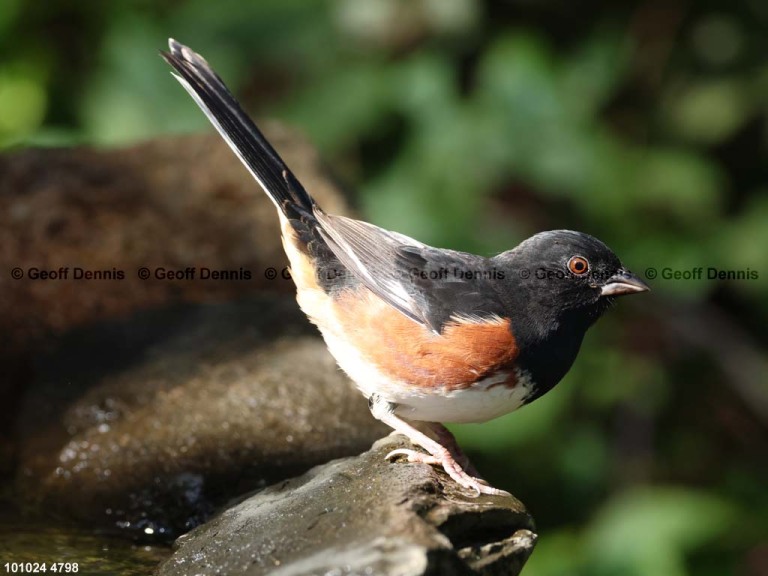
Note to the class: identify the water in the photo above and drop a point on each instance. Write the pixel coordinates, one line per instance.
(86, 551)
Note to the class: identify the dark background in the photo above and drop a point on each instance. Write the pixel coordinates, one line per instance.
(473, 125)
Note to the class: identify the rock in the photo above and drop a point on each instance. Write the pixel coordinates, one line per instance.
(361, 515)
(174, 203)
(177, 203)
(171, 203)
(148, 424)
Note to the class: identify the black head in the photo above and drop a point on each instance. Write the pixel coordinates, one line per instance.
(560, 282)
(566, 272)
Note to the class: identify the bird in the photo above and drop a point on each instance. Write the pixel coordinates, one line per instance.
(428, 335)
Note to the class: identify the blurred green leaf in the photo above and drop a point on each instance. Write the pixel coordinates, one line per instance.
(718, 38)
(119, 105)
(22, 103)
(709, 111)
(9, 10)
(740, 246)
(628, 378)
(559, 554)
(683, 183)
(293, 33)
(647, 531)
(592, 74)
(585, 459)
(366, 93)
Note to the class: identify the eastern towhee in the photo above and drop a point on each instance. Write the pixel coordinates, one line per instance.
(427, 335)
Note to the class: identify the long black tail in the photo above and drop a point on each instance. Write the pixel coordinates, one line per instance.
(236, 127)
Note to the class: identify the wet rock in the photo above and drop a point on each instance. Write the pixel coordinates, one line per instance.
(173, 203)
(361, 515)
(149, 424)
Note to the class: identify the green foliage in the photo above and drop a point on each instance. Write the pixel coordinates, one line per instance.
(647, 531)
(636, 532)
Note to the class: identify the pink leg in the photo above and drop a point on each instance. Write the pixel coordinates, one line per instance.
(447, 439)
(438, 453)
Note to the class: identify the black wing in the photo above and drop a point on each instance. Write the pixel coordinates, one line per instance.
(429, 285)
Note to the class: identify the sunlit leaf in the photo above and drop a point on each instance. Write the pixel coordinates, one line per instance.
(647, 531)
(711, 111)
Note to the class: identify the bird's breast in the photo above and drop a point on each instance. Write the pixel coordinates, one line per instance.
(465, 351)
(465, 374)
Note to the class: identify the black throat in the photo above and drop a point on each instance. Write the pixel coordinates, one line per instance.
(546, 358)
(549, 340)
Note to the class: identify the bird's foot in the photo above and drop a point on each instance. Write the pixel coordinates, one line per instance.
(438, 453)
(446, 438)
(452, 468)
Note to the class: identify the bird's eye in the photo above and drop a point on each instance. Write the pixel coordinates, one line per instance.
(578, 265)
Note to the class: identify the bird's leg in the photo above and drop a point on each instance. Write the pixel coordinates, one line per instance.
(438, 454)
(447, 439)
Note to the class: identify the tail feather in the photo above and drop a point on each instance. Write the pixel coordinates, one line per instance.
(246, 140)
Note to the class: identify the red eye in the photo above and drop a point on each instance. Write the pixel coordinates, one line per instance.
(578, 265)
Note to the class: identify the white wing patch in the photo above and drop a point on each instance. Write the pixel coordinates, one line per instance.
(370, 252)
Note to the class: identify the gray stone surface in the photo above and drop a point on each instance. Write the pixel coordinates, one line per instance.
(361, 515)
(148, 424)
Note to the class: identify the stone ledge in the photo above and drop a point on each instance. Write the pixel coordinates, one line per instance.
(361, 515)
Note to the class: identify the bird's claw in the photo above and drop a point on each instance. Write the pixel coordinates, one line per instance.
(479, 485)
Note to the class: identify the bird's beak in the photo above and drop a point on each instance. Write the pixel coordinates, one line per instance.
(623, 282)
